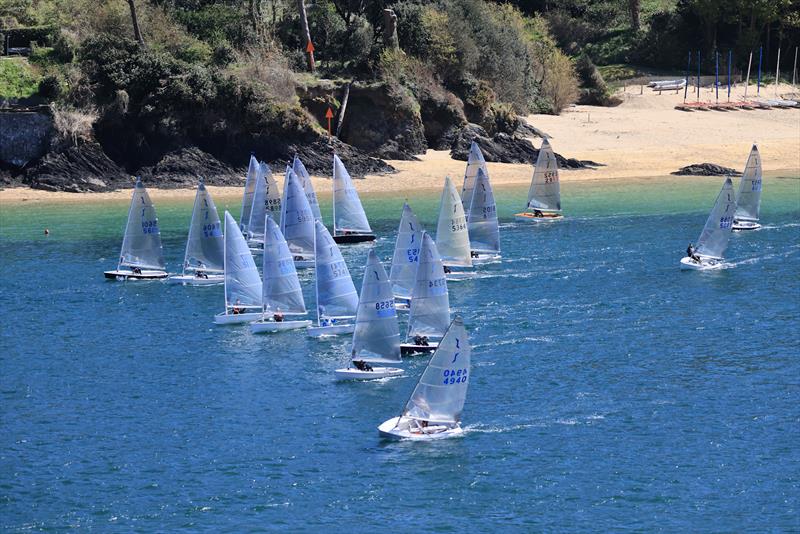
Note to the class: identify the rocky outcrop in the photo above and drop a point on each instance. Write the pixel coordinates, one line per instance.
(182, 168)
(77, 169)
(318, 159)
(706, 169)
(24, 136)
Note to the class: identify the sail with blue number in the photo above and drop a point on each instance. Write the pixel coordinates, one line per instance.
(441, 392)
(242, 281)
(305, 182)
(336, 293)
(249, 194)
(452, 236)
(297, 219)
(714, 238)
(406, 253)
(430, 303)
(376, 337)
(482, 224)
(205, 246)
(141, 245)
(748, 199)
(281, 288)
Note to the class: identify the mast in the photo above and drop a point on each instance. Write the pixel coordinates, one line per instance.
(686, 88)
(747, 81)
(760, 56)
(333, 193)
(777, 71)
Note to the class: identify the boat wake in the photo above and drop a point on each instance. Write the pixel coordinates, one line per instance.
(757, 259)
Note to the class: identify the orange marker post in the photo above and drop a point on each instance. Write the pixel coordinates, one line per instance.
(329, 116)
(310, 52)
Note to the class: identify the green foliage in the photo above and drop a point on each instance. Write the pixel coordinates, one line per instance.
(17, 79)
(215, 23)
(50, 87)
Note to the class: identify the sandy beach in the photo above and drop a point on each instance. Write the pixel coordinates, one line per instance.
(643, 137)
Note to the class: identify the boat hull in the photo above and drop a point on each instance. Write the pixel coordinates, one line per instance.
(705, 264)
(237, 318)
(485, 257)
(745, 225)
(345, 239)
(402, 303)
(411, 348)
(399, 428)
(352, 373)
(271, 327)
(333, 330)
(145, 274)
(304, 264)
(192, 280)
(530, 217)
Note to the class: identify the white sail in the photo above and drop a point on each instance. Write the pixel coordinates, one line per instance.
(249, 193)
(475, 162)
(406, 253)
(272, 198)
(452, 237)
(714, 238)
(281, 290)
(305, 182)
(442, 389)
(258, 209)
(242, 281)
(430, 304)
(484, 230)
(297, 219)
(141, 245)
(336, 293)
(205, 247)
(748, 199)
(348, 213)
(377, 335)
(545, 192)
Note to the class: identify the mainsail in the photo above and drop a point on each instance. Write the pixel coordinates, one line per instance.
(242, 282)
(484, 230)
(545, 192)
(281, 291)
(297, 219)
(430, 304)
(748, 200)
(205, 247)
(141, 245)
(305, 181)
(452, 237)
(336, 294)
(714, 239)
(377, 335)
(249, 193)
(348, 213)
(475, 162)
(442, 389)
(406, 253)
(258, 210)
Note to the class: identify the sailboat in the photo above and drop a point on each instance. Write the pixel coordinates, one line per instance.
(242, 281)
(281, 292)
(254, 229)
(713, 240)
(482, 224)
(308, 188)
(406, 257)
(748, 199)
(297, 221)
(350, 223)
(337, 300)
(249, 194)
(376, 338)
(544, 195)
(204, 259)
(141, 257)
(430, 303)
(475, 162)
(435, 407)
(452, 237)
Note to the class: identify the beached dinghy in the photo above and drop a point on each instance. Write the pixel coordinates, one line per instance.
(308, 188)
(713, 240)
(204, 259)
(748, 199)
(141, 257)
(435, 407)
(452, 236)
(242, 281)
(376, 338)
(281, 292)
(544, 195)
(297, 221)
(267, 200)
(350, 223)
(406, 257)
(430, 303)
(248, 195)
(482, 224)
(337, 300)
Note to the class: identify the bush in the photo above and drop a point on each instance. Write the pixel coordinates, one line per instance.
(559, 85)
(17, 79)
(50, 87)
(73, 125)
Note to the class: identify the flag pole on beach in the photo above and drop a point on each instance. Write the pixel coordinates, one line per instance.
(794, 69)
(698, 75)
(686, 88)
(760, 55)
(747, 81)
(777, 72)
(730, 57)
(716, 74)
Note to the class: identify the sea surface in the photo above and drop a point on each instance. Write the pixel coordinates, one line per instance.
(609, 390)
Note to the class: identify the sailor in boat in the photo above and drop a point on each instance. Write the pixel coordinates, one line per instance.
(538, 213)
(421, 341)
(199, 272)
(474, 254)
(361, 365)
(278, 317)
(236, 308)
(137, 270)
(447, 270)
(691, 254)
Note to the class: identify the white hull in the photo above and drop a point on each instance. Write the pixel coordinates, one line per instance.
(237, 318)
(402, 303)
(270, 327)
(405, 428)
(411, 348)
(486, 257)
(745, 225)
(455, 276)
(304, 264)
(333, 330)
(192, 280)
(705, 264)
(144, 274)
(352, 373)
(530, 217)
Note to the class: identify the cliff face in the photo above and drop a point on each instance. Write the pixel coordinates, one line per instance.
(24, 136)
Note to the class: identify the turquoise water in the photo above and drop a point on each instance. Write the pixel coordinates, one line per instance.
(609, 390)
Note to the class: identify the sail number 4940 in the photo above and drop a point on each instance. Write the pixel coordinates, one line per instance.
(454, 376)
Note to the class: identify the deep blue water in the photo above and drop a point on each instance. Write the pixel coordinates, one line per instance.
(609, 389)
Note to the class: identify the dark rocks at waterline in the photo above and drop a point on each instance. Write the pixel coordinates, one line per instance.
(77, 169)
(706, 169)
(317, 157)
(505, 148)
(182, 168)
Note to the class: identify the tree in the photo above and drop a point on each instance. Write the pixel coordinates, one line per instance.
(633, 8)
(136, 32)
(301, 8)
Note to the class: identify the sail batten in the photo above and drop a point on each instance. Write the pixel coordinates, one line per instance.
(430, 303)
(545, 191)
(716, 233)
(376, 337)
(348, 213)
(748, 197)
(205, 245)
(297, 218)
(281, 288)
(406, 253)
(336, 293)
(242, 281)
(452, 236)
(482, 224)
(141, 244)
